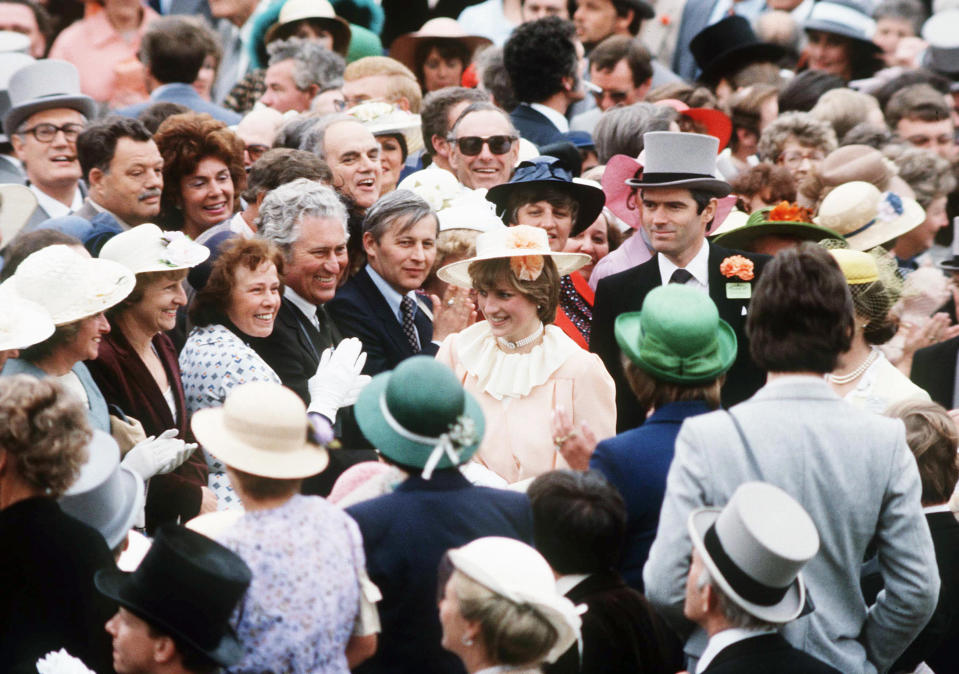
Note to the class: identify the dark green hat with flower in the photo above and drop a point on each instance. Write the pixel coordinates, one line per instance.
(678, 336)
(784, 219)
(419, 415)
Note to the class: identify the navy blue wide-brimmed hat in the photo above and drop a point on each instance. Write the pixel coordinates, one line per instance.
(548, 171)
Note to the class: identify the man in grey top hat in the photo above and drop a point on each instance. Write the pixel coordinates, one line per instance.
(47, 113)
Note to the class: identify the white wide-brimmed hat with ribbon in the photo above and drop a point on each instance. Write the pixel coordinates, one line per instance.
(525, 244)
(867, 217)
(147, 248)
(517, 572)
(17, 204)
(22, 323)
(69, 284)
(754, 549)
(262, 429)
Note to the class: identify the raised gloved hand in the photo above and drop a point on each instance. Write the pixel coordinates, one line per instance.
(338, 379)
(158, 455)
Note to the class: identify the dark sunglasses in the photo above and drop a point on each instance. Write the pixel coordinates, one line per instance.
(473, 145)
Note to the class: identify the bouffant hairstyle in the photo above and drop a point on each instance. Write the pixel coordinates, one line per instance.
(931, 435)
(772, 183)
(799, 126)
(511, 633)
(543, 292)
(538, 56)
(801, 314)
(844, 108)
(211, 302)
(928, 174)
(44, 431)
(184, 141)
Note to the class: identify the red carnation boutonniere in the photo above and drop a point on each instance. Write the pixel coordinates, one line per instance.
(737, 265)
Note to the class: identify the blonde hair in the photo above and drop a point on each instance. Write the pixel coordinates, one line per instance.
(402, 81)
(460, 243)
(932, 436)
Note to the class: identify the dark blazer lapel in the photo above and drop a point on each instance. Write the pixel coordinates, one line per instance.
(729, 310)
(382, 312)
(306, 335)
(596, 582)
(753, 646)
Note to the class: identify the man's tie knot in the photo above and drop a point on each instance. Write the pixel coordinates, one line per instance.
(680, 276)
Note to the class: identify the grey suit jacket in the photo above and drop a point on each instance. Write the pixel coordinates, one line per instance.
(854, 474)
(11, 173)
(97, 412)
(695, 15)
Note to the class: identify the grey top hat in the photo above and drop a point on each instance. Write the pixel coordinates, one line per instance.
(44, 85)
(10, 62)
(686, 160)
(107, 496)
(943, 38)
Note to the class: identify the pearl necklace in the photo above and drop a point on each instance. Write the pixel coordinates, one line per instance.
(855, 374)
(507, 345)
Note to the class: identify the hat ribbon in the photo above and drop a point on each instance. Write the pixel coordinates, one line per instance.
(659, 352)
(461, 433)
(890, 207)
(745, 585)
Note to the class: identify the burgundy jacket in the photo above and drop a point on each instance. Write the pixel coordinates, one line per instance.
(126, 382)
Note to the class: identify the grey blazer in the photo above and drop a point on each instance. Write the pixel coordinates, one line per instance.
(854, 474)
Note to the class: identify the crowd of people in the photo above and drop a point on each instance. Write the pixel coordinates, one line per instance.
(562, 336)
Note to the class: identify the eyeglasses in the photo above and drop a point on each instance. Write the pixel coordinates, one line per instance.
(473, 145)
(795, 159)
(45, 133)
(256, 151)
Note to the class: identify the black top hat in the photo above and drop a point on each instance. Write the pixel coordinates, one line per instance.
(728, 45)
(187, 585)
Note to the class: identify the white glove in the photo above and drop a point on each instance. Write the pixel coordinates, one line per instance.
(338, 379)
(155, 456)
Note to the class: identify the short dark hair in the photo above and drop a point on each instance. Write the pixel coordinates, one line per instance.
(916, 102)
(489, 63)
(280, 166)
(449, 49)
(528, 194)
(191, 658)
(579, 521)
(616, 48)
(435, 111)
(803, 91)
(623, 7)
(97, 143)
(210, 304)
(538, 56)
(701, 197)
(173, 49)
(801, 314)
(155, 114)
(26, 243)
(908, 78)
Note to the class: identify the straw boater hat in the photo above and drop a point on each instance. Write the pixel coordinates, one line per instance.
(147, 248)
(403, 48)
(545, 172)
(69, 285)
(784, 219)
(188, 586)
(45, 85)
(17, 204)
(520, 241)
(517, 572)
(262, 429)
(754, 549)
(678, 336)
(385, 119)
(22, 323)
(686, 160)
(728, 45)
(867, 217)
(107, 496)
(319, 11)
(847, 18)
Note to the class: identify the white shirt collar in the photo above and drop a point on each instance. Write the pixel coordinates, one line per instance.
(941, 508)
(554, 116)
(390, 294)
(698, 267)
(54, 208)
(566, 583)
(308, 308)
(723, 640)
(238, 225)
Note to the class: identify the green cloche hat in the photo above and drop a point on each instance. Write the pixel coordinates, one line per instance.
(678, 336)
(418, 415)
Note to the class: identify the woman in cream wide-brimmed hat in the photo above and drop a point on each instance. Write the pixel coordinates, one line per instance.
(517, 364)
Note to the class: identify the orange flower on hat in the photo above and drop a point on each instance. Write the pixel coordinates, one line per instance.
(737, 265)
(524, 267)
(787, 212)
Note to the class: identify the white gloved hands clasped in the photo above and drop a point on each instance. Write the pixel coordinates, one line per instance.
(158, 455)
(338, 380)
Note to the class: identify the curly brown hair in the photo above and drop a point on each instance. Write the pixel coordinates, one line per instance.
(44, 430)
(184, 141)
(211, 302)
(543, 292)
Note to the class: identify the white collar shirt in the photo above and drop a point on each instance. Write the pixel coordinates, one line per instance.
(555, 117)
(54, 208)
(698, 267)
(723, 640)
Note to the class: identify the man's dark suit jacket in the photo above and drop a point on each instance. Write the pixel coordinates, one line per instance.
(360, 310)
(405, 535)
(766, 654)
(621, 633)
(625, 291)
(934, 369)
(293, 351)
(534, 126)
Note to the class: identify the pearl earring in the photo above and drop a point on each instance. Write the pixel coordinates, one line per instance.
(466, 641)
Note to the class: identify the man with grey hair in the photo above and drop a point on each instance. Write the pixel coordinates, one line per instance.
(299, 70)
(380, 304)
(483, 145)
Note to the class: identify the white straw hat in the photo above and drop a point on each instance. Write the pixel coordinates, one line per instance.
(518, 241)
(22, 323)
(69, 285)
(755, 547)
(147, 248)
(262, 429)
(516, 571)
(867, 217)
(470, 210)
(383, 119)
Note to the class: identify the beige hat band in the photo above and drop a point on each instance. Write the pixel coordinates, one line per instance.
(274, 438)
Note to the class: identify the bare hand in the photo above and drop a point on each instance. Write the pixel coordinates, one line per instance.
(935, 330)
(455, 312)
(207, 501)
(575, 445)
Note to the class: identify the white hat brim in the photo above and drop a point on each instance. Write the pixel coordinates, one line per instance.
(457, 273)
(18, 204)
(25, 323)
(784, 611)
(235, 451)
(108, 283)
(913, 215)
